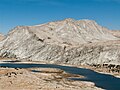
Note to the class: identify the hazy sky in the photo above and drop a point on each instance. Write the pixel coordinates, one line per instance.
(32, 12)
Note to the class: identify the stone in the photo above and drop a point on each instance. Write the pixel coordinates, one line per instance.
(68, 42)
(1, 37)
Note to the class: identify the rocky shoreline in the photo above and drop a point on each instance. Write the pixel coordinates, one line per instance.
(51, 78)
(107, 69)
(110, 69)
(41, 79)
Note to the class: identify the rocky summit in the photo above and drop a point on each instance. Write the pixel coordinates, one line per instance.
(68, 41)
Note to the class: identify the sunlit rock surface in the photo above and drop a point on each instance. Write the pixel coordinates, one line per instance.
(67, 41)
(1, 37)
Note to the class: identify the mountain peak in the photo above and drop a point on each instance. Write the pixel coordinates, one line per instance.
(87, 21)
(83, 21)
(69, 19)
(59, 41)
(69, 31)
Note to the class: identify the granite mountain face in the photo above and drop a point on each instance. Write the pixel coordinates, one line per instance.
(116, 33)
(1, 37)
(67, 41)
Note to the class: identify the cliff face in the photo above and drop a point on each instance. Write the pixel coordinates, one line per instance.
(67, 41)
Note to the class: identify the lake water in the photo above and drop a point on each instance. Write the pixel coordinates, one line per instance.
(104, 81)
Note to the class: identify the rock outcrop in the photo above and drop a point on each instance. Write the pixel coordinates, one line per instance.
(68, 41)
(116, 33)
(1, 37)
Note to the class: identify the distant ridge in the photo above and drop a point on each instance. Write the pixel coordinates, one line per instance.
(1, 37)
(116, 33)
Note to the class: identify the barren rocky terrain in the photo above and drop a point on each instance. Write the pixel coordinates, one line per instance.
(1, 37)
(81, 43)
(116, 33)
(68, 41)
(41, 79)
